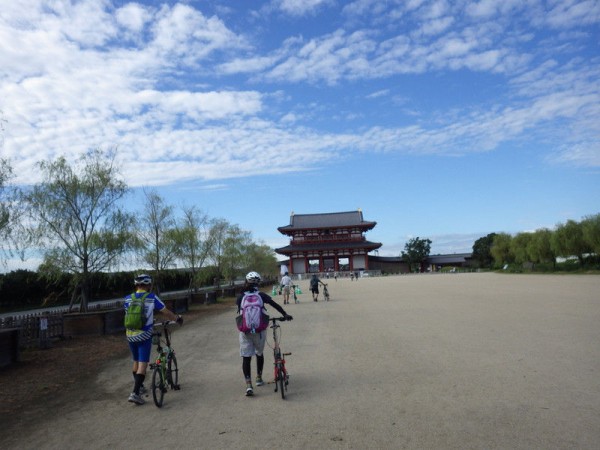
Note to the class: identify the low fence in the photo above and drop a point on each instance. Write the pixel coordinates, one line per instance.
(41, 328)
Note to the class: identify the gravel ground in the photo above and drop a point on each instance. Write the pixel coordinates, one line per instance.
(458, 361)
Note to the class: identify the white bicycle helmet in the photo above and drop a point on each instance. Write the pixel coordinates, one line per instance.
(144, 279)
(253, 278)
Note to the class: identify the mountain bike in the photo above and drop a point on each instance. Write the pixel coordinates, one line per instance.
(325, 292)
(165, 372)
(281, 375)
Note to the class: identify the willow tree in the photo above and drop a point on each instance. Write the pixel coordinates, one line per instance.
(194, 245)
(501, 249)
(568, 240)
(9, 211)
(590, 226)
(76, 219)
(158, 237)
(235, 251)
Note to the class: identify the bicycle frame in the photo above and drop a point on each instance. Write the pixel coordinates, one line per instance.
(165, 370)
(325, 292)
(281, 376)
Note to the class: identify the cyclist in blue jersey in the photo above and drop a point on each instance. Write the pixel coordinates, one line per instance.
(140, 341)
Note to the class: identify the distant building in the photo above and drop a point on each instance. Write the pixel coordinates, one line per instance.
(330, 242)
(336, 242)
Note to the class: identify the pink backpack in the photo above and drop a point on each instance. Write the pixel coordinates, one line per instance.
(253, 319)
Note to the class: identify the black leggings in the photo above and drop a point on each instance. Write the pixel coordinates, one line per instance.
(260, 362)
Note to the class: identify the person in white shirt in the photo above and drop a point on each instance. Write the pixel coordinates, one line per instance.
(286, 284)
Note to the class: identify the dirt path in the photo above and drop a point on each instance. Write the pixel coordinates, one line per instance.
(420, 361)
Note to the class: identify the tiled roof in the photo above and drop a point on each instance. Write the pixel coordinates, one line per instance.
(431, 259)
(327, 220)
(368, 245)
(449, 259)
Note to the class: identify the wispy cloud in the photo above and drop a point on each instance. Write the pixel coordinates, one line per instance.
(145, 79)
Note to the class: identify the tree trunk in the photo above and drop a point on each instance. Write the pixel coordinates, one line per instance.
(74, 296)
(85, 296)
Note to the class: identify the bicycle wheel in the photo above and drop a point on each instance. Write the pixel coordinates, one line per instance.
(158, 386)
(281, 380)
(172, 372)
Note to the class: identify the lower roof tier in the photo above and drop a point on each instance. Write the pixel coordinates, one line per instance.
(329, 246)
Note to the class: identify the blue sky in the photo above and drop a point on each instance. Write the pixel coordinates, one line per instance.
(445, 120)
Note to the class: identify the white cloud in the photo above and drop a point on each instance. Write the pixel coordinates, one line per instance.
(435, 26)
(381, 93)
(133, 17)
(300, 7)
(567, 13)
(62, 95)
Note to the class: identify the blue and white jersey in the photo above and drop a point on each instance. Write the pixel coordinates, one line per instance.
(151, 303)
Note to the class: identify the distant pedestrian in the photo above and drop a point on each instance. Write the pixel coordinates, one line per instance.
(314, 287)
(286, 286)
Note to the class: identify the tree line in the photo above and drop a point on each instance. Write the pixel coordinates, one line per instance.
(75, 218)
(576, 242)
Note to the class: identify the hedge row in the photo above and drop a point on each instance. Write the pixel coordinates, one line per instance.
(25, 289)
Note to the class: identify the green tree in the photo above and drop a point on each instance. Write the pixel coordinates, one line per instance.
(482, 250)
(416, 251)
(76, 218)
(519, 247)
(10, 212)
(5, 175)
(591, 232)
(501, 249)
(262, 259)
(567, 240)
(194, 245)
(235, 252)
(158, 236)
(216, 238)
(540, 247)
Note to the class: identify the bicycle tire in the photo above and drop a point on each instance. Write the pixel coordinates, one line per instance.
(281, 377)
(158, 386)
(172, 372)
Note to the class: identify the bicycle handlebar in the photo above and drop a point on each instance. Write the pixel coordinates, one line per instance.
(275, 319)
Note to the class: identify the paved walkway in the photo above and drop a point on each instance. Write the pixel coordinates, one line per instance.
(461, 361)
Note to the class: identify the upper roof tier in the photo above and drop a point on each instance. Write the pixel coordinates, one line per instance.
(348, 219)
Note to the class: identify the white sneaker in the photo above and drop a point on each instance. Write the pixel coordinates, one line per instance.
(134, 398)
(249, 391)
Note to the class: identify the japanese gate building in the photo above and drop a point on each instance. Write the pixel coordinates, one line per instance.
(329, 242)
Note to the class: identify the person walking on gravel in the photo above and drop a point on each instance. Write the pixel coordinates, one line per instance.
(314, 287)
(286, 283)
(252, 327)
(140, 339)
